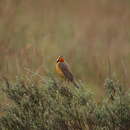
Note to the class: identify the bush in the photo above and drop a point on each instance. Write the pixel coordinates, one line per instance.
(53, 106)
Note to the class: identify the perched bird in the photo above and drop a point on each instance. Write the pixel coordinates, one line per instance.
(63, 70)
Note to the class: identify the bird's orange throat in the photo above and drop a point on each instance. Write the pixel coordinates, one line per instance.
(61, 59)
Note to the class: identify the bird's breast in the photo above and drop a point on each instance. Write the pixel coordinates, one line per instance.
(58, 69)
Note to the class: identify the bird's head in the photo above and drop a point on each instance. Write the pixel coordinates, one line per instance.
(60, 59)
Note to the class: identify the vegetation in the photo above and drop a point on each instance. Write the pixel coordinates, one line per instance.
(93, 36)
(56, 106)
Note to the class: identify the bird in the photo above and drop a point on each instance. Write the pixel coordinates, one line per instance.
(62, 68)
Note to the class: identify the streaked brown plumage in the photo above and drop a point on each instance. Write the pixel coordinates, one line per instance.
(63, 70)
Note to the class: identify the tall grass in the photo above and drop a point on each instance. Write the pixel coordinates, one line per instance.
(90, 34)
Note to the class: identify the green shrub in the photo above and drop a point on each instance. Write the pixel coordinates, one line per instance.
(56, 106)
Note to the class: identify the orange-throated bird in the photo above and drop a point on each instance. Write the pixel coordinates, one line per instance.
(64, 71)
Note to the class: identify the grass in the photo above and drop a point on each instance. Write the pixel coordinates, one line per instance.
(33, 39)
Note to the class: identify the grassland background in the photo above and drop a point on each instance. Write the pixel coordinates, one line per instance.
(93, 35)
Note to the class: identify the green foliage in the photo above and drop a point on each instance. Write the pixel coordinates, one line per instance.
(56, 106)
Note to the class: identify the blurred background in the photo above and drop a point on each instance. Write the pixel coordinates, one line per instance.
(93, 35)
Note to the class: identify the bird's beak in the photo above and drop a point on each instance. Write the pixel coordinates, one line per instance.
(57, 60)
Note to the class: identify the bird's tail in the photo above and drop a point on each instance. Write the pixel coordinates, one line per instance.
(75, 84)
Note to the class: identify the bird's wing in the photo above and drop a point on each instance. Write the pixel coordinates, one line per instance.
(68, 75)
